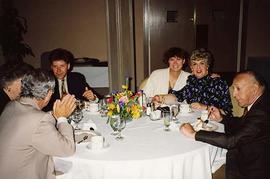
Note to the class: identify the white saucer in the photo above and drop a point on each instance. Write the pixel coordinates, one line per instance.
(93, 113)
(208, 127)
(106, 145)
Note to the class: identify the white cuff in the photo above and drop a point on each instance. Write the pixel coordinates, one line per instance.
(61, 120)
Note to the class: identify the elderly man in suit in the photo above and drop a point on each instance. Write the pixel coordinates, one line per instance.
(247, 139)
(67, 82)
(29, 136)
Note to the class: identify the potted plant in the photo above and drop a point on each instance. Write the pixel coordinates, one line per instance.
(12, 29)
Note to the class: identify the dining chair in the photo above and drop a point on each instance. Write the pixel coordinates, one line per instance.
(143, 83)
(237, 110)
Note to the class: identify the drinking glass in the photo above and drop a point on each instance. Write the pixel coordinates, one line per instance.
(103, 107)
(174, 112)
(80, 104)
(166, 117)
(119, 124)
(76, 117)
(113, 121)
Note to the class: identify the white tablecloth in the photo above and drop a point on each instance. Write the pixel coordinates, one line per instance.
(147, 152)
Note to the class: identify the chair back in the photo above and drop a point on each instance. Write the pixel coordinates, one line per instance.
(143, 83)
(237, 110)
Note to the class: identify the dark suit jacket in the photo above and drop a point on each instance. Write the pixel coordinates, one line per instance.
(247, 141)
(76, 85)
(4, 99)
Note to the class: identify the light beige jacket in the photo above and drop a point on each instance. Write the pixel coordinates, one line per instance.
(29, 139)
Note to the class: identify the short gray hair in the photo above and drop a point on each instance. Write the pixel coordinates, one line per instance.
(37, 83)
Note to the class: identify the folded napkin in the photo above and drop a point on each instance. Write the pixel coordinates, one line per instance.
(87, 125)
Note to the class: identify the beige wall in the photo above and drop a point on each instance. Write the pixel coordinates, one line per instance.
(258, 39)
(138, 11)
(79, 26)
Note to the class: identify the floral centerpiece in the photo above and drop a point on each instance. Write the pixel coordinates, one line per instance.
(125, 104)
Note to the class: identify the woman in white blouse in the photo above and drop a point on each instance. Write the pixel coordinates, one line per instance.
(163, 81)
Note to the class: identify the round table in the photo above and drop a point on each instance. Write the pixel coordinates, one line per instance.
(146, 152)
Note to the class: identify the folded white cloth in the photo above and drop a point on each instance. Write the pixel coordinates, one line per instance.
(87, 125)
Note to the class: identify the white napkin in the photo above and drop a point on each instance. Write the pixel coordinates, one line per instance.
(87, 125)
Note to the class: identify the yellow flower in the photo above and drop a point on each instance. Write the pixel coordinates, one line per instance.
(110, 113)
(125, 87)
(118, 108)
(136, 114)
(111, 106)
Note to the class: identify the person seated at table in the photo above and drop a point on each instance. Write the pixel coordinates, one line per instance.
(10, 82)
(163, 81)
(201, 89)
(29, 136)
(67, 82)
(247, 138)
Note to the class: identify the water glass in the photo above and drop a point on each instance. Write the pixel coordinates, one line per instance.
(117, 123)
(166, 117)
(113, 121)
(76, 117)
(103, 107)
(174, 112)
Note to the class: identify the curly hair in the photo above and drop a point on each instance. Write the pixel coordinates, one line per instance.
(174, 52)
(62, 54)
(202, 53)
(37, 83)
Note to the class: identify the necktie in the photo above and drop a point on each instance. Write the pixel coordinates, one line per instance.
(63, 89)
(245, 112)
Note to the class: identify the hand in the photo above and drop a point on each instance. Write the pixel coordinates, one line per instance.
(88, 94)
(214, 114)
(156, 98)
(187, 130)
(64, 107)
(215, 75)
(198, 106)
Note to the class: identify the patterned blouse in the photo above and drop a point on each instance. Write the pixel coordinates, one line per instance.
(208, 91)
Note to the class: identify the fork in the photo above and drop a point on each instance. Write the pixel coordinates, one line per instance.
(84, 138)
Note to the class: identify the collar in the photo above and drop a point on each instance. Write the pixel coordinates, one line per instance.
(249, 106)
(28, 101)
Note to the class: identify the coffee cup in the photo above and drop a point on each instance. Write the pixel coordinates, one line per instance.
(204, 115)
(93, 107)
(155, 115)
(185, 108)
(97, 142)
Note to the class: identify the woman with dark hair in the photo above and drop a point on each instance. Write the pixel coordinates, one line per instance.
(201, 89)
(163, 81)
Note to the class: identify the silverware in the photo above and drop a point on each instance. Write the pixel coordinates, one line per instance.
(84, 138)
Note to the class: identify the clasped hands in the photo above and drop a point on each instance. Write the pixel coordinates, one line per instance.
(64, 107)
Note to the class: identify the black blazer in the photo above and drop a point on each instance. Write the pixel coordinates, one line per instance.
(4, 99)
(247, 141)
(76, 83)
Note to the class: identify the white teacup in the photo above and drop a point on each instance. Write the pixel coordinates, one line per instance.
(204, 115)
(185, 108)
(97, 142)
(155, 115)
(93, 107)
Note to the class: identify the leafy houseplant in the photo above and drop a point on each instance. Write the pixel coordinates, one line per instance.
(12, 29)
